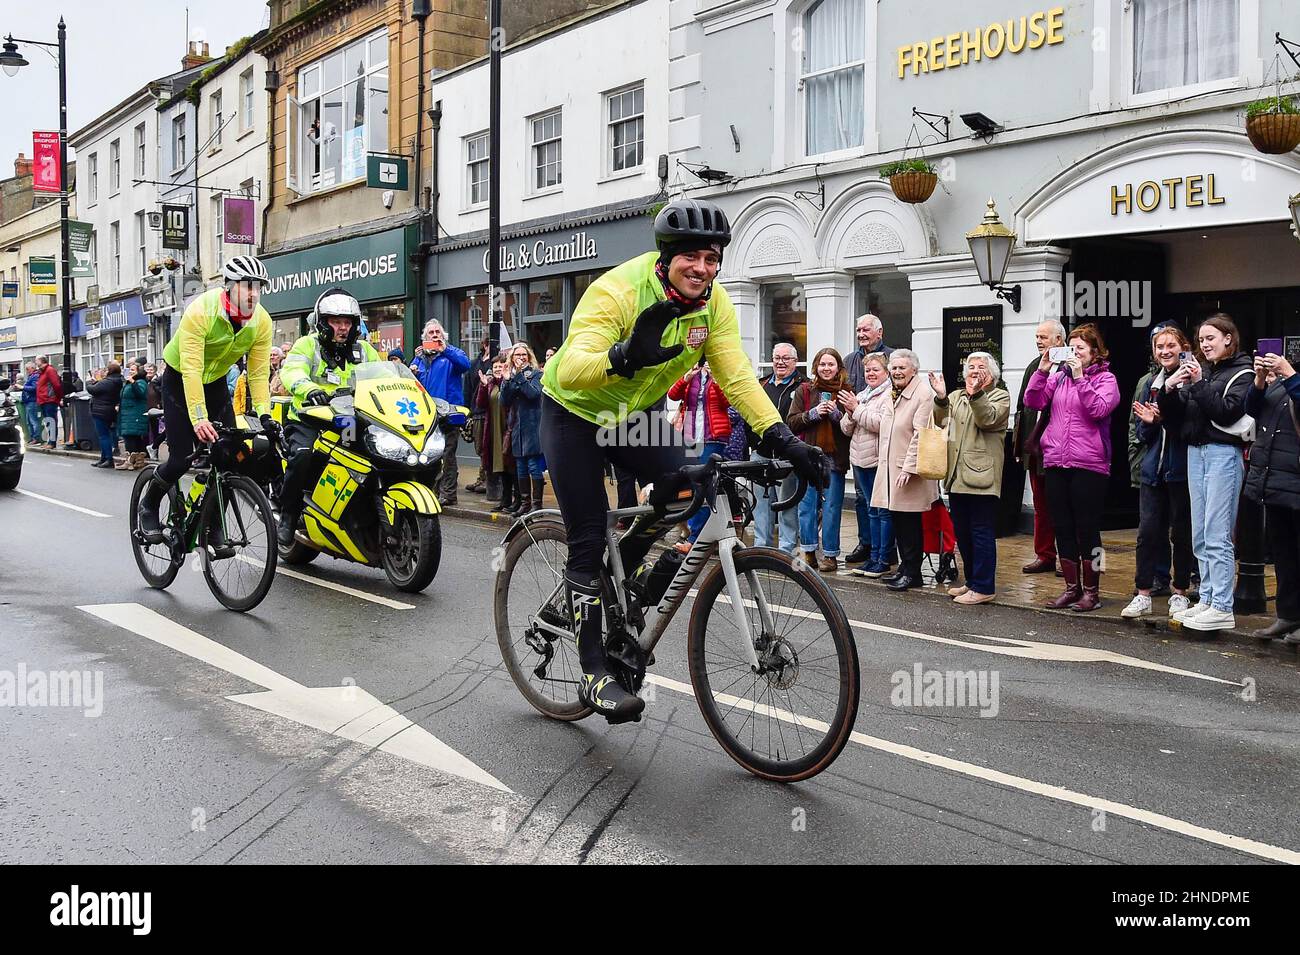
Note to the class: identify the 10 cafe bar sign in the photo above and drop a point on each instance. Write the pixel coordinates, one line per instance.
(579, 247)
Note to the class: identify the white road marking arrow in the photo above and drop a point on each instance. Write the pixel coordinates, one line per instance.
(346, 711)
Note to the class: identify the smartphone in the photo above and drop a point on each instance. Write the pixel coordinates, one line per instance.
(826, 396)
(1269, 346)
(1185, 357)
(1060, 354)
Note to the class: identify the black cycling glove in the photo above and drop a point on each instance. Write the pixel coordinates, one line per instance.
(317, 396)
(809, 461)
(641, 349)
(270, 425)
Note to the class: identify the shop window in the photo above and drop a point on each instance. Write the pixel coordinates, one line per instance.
(1182, 47)
(469, 311)
(546, 297)
(387, 327)
(889, 298)
(784, 319)
(833, 74)
(340, 113)
(285, 331)
(581, 282)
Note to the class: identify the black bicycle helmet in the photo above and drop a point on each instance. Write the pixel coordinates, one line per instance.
(336, 303)
(685, 225)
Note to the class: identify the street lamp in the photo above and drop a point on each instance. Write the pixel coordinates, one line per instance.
(1295, 213)
(11, 61)
(991, 244)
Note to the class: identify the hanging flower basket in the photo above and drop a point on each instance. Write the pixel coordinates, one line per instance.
(155, 267)
(913, 180)
(171, 263)
(1273, 125)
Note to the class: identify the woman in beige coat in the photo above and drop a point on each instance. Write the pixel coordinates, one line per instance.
(897, 486)
(979, 415)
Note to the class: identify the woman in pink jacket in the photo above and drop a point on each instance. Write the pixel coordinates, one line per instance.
(1080, 396)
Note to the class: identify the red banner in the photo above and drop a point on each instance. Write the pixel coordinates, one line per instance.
(46, 175)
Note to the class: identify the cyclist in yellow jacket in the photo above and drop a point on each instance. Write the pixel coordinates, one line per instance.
(638, 328)
(218, 328)
(316, 366)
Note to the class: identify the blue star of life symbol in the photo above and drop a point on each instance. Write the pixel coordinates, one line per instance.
(408, 408)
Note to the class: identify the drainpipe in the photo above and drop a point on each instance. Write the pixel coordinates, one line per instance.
(420, 10)
(271, 84)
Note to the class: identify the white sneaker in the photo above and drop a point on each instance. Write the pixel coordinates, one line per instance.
(1185, 615)
(1211, 620)
(1178, 603)
(1139, 606)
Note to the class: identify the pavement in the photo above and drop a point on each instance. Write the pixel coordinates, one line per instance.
(342, 721)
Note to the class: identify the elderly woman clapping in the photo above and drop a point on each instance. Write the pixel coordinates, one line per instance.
(897, 486)
(979, 416)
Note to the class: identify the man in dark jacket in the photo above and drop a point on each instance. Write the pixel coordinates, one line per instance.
(870, 334)
(105, 395)
(1274, 481)
(1049, 334)
(49, 392)
(780, 387)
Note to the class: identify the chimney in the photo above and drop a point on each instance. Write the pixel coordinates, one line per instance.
(197, 55)
(22, 166)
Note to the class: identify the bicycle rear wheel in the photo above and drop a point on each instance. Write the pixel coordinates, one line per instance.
(529, 588)
(159, 563)
(790, 720)
(239, 571)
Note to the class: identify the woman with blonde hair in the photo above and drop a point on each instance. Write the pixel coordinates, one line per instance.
(815, 412)
(521, 392)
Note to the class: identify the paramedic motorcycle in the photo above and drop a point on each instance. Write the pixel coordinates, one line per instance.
(381, 443)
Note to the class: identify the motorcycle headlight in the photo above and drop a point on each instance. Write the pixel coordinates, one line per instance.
(386, 445)
(436, 444)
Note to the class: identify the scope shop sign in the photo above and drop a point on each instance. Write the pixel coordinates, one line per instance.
(370, 267)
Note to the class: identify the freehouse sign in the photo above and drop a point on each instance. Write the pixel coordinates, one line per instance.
(953, 50)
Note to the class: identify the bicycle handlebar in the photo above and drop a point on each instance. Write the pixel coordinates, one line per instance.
(768, 473)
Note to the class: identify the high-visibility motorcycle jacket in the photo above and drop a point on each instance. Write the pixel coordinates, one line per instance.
(578, 378)
(307, 368)
(207, 343)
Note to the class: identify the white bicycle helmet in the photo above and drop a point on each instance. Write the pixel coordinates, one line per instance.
(245, 268)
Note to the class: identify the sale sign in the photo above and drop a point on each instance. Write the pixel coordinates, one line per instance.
(46, 172)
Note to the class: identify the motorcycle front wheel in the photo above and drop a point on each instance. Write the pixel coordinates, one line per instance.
(411, 558)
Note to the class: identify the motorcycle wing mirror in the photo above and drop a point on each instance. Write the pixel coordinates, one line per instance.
(4, 384)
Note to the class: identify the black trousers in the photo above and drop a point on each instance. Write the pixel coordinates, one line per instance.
(646, 446)
(180, 432)
(302, 468)
(1283, 528)
(911, 542)
(1075, 497)
(1164, 511)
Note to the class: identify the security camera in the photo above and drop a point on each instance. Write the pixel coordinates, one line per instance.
(388, 198)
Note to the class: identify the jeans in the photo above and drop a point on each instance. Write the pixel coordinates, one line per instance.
(104, 429)
(698, 520)
(50, 412)
(829, 502)
(529, 465)
(975, 518)
(1215, 473)
(880, 524)
(1161, 510)
(763, 516)
(33, 422)
(863, 480)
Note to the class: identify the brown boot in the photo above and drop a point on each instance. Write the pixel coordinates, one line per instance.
(1072, 592)
(139, 461)
(539, 485)
(1091, 598)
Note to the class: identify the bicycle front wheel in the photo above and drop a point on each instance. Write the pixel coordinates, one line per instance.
(789, 720)
(237, 542)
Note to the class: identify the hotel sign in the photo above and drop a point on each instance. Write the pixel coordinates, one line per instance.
(1150, 195)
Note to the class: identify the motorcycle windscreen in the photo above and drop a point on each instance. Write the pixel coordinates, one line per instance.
(389, 393)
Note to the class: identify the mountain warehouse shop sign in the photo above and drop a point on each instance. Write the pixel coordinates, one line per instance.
(371, 267)
(1015, 35)
(1149, 195)
(579, 247)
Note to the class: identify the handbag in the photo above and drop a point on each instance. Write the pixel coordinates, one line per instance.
(932, 452)
(1243, 427)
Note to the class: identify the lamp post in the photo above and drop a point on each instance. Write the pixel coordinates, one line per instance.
(11, 61)
(1295, 213)
(991, 244)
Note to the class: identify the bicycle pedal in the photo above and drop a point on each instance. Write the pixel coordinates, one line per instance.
(221, 553)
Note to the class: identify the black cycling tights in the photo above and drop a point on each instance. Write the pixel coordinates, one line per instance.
(180, 432)
(576, 451)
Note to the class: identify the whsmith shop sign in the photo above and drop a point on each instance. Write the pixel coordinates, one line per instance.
(373, 268)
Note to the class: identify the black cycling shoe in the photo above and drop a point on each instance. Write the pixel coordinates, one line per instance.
(146, 517)
(218, 546)
(603, 694)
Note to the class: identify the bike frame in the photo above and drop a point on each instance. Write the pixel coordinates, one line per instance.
(718, 536)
